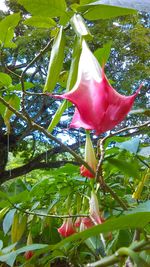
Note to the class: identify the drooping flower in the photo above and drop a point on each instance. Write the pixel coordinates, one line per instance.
(67, 228)
(83, 223)
(98, 105)
(87, 222)
(94, 209)
(89, 158)
(28, 254)
(77, 222)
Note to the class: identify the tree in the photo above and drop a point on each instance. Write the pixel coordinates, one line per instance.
(34, 128)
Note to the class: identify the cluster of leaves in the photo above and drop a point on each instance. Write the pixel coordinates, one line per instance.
(40, 199)
(35, 204)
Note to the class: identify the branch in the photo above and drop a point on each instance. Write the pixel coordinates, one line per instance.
(35, 127)
(42, 51)
(48, 215)
(117, 256)
(99, 176)
(10, 174)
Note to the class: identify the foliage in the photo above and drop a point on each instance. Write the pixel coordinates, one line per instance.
(41, 46)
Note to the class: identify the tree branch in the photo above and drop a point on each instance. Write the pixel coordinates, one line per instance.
(7, 175)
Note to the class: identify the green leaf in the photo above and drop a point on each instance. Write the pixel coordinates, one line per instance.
(9, 258)
(142, 207)
(7, 26)
(1, 244)
(84, 2)
(136, 4)
(27, 85)
(14, 101)
(7, 222)
(140, 111)
(136, 220)
(57, 116)
(56, 61)
(126, 166)
(144, 151)
(5, 79)
(45, 8)
(3, 212)
(73, 72)
(40, 22)
(102, 54)
(30, 247)
(97, 11)
(130, 145)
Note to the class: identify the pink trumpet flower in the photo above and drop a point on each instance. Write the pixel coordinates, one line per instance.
(67, 228)
(98, 105)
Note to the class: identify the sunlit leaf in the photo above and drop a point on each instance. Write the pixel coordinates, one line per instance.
(7, 26)
(45, 8)
(56, 61)
(40, 22)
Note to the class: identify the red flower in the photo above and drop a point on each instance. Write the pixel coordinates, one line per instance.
(28, 254)
(77, 222)
(99, 106)
(67, 228)
(89, 158)
(87, 222)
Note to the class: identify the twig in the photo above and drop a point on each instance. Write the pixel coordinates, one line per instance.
(42, 51)
(117, 256)
(99, 175)
(22, 77)
(47, 215)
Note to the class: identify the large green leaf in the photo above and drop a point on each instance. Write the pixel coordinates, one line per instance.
(134, 220)
(7, 26)
(56, 61)
(45, 8)
(40, 22)
(97, 11)
(143, 5)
